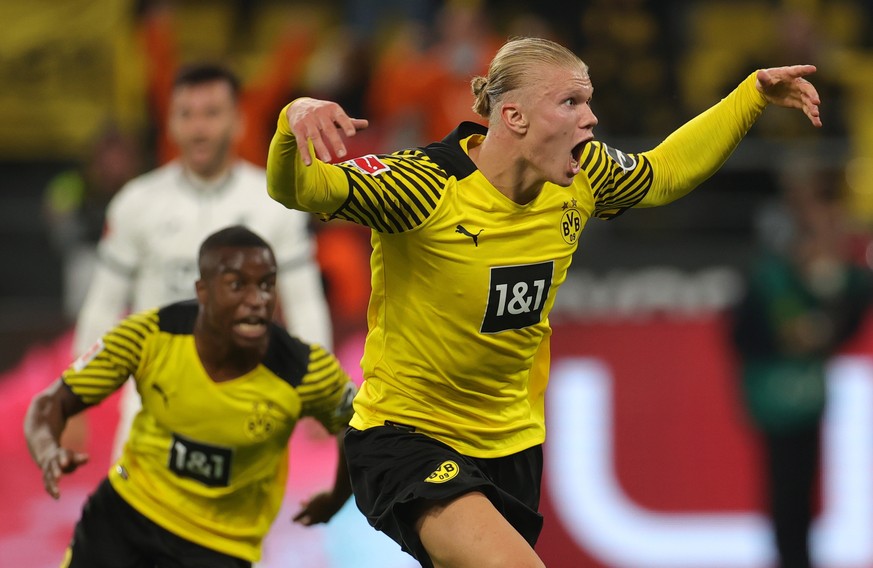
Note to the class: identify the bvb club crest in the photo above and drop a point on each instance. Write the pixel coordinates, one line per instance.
(571, 222)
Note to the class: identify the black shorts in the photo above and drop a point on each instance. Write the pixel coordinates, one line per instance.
(112, 534)
(394, 470)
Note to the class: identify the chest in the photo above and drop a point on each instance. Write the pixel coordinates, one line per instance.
(182, 399)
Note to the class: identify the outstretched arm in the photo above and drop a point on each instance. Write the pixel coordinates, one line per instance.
(699, 148)
(322, 506)
(45, 420)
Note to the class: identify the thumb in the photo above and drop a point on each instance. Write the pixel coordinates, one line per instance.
(763, 79)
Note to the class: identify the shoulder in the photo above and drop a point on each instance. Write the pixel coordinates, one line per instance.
(140, 191)
(596, 154)
(287, 357)
(449, 154)
(133, 332)
(178, 318)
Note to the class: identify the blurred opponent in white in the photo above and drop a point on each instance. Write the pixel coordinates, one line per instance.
(155, 224)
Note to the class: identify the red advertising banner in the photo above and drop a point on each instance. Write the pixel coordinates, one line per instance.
(650, 460)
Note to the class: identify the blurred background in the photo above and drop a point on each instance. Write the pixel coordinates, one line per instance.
(662, 468)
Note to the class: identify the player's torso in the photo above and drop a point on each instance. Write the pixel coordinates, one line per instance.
(484, 267)
(461, 306)
(216, 433)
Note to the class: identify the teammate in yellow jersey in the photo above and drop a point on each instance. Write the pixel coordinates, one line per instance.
(472, 237)
(203, 473)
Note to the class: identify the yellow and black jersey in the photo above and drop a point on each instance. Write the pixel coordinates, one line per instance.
(209, 460)
(463, 278)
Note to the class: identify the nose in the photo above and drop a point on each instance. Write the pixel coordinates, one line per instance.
(590, 119)
(256, 296)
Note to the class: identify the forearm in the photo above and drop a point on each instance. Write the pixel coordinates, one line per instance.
(700, 147)
(315, 189)
(43, 423)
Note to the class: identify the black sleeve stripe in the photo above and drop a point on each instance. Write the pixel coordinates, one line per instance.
(597, 172)
(367, 209)
(94, 380)
(133, 333)
(430, 178)
(319, 371)
(616, 192)
(89, 393)
(615, 188)
(590, 154)
(417, 192)
(315, 378)
(381, 204)
(630, 191)
(117, 349)
(322, 391)
(396, 200)
(394, 195)
(353, 212)
(387, 204)
(408, 201)
(369, 204)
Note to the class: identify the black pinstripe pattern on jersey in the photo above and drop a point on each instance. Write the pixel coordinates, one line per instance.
(119, 358)
(615, 190)
(322, 390)
(402, 198)
(397, 200)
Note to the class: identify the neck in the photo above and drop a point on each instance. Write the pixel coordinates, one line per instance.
(222, 360)
(210, 178)
(501, 164)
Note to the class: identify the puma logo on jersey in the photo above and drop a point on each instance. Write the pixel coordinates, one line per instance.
(446, 471)
(463, 231)
(157, 388)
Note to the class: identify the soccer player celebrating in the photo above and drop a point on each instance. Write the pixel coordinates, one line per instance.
(472, 237)
(202, 476)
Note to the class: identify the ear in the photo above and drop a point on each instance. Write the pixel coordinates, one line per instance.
(201, 288)
(514, 118)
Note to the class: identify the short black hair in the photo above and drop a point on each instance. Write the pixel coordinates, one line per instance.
(206, 72)
(233, 236)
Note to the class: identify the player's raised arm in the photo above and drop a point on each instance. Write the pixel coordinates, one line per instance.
(294, 178)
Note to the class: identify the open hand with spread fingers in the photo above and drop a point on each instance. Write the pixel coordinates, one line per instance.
(787, 87)
(324, 123)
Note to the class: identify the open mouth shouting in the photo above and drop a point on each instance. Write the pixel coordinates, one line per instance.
(576, 156)
(252, 327)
